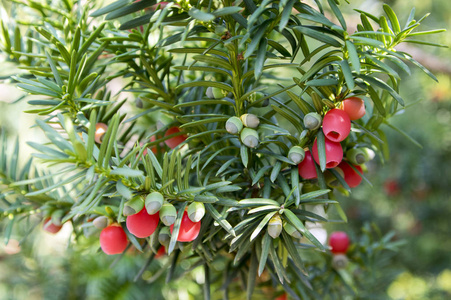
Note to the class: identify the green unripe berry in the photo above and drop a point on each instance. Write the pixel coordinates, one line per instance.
(369, 153)
(296, 154)
(249, 137)
(154, 202)
(356, 156)
(275, 226)
(312, 121)
(101, 222)
(257, 96)
(196, 211)
(168, 214)
(133, 206)
(215, 93)
(164, 236)
(340, 261)
(234, 125)
(250, 120)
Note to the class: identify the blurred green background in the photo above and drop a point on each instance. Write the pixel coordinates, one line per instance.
(411, 194)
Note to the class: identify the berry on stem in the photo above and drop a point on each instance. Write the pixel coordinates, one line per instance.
(234, 125)
(296, 154)
(154, 202)
(100, 222)
(334, 153)
(307, 168)
(133, 206)
(196, 211)
(250, 120)
(312, 121)
(189, 230)
(168, 214)
(340, 261)
(176, 140)
(339, 242)
(113, 239)
(354, 107)
(142, 224)
(275, 226)
(336, 125)
(249, 137)
(356, 156)
(351, 177)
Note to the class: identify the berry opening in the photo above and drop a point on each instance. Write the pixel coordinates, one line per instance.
(333, 136)
(332, 164)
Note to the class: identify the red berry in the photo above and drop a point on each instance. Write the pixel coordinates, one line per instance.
(352, 178)
(307, 168)
(336, 125)
(282, 297)
(113, 239)
(339, 241)
(154, 148)
(176, 140)
(354, 107)
(50, 227)
(161, 252)
(142, 224)
(188, 229)
(334, 153)
(391, 187)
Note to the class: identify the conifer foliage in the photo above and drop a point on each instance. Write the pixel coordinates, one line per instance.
(241, 120)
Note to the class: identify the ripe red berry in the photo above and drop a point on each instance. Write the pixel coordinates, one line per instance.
(282, 297)
(113, 239)
(307, 168)
(154, 148)
(188, 229)
(176, 140)
(142, 224)
(339, 242)
(50, 227)
(161, 252)
(351, 177)
(354, 107)
(334, 153)
(336, 125)
(391, 187)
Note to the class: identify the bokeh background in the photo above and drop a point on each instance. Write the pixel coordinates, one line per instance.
(411, 196)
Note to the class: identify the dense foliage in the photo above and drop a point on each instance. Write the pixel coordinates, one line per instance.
(216, 124)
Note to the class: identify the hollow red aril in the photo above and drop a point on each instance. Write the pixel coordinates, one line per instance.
(339, 242)
(50, 227)
(142, 224)
(354, 107)
(189, 230)
(113, 239)
(176, 140)
(334, 153)
(351, 177)
(336, 125)
(307, 168)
